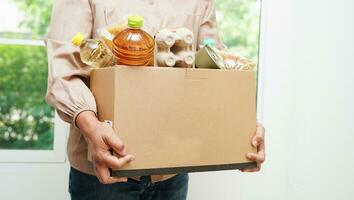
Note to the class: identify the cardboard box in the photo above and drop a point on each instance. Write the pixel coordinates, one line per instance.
(179, 120)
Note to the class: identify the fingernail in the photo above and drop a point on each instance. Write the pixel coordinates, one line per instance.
(255, 143)
(122, 152)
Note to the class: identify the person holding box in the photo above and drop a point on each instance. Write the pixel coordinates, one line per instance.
(69, 94)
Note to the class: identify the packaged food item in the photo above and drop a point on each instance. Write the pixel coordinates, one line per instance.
(107, 37)
(94, 52)
(108, 33)
(210, 57)
(175, 48)
(133, 46)
(207, 42)
(115, 29)
(236, 61)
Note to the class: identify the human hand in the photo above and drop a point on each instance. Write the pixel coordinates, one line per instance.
(101, 139)
(258, 142)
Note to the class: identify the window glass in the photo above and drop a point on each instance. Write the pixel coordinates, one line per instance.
(239, 24)
(26, 121)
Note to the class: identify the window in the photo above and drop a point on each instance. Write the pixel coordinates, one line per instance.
(238, 24)
(26, 121)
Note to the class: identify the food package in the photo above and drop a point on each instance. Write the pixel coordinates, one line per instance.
(108, 33)
(236, 61)
(174, 48)
(210, 57)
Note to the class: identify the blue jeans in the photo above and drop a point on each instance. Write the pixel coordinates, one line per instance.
(86, 187)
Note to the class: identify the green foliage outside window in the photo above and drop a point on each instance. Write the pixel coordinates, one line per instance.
(26, 122)
(38, 13)
(238, 23)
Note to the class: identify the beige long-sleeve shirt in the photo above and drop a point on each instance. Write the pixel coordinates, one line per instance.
(68, 90)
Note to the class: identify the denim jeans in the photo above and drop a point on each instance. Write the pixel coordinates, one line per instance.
(86, 187)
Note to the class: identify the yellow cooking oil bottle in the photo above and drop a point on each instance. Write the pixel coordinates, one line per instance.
(94, 52)
(133, 46)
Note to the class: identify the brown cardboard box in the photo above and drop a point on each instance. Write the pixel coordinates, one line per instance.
(178, 120)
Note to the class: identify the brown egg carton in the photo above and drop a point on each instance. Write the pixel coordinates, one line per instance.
(175, 48)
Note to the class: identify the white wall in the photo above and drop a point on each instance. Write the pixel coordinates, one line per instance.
(31, 181)
(308, 108)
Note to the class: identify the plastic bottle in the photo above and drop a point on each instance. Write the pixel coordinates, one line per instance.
(133, 46)
(94, 52)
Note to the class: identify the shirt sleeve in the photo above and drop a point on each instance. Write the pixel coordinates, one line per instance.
(68, 77)
(208, 27)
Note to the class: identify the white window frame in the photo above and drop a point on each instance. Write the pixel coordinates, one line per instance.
(61, 130)
(261, 61)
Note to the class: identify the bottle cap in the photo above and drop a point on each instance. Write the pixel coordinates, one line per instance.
(77, 39)
(209, 41)
(135, 21)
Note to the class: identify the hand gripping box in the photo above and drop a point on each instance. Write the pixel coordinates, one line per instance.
(178, 119)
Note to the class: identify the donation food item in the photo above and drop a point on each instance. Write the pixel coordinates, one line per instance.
(133, 46)
(210, 57)
(117, 28)
(107, 37)
(236, 61)
(108, 33)
(175, 48)
(94, 52)
(208, 42)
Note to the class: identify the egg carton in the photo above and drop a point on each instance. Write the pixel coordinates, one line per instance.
(175, 48)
